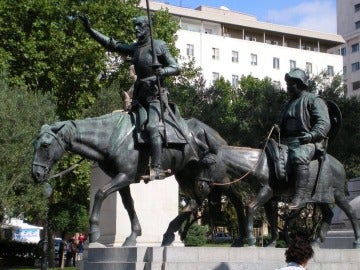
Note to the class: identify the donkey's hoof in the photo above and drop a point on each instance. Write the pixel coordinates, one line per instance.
(168, 239)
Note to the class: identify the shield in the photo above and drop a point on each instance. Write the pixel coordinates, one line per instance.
(335, 119)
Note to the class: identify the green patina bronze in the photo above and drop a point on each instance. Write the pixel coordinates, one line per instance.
(151, 69)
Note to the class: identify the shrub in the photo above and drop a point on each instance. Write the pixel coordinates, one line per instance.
(196, 235)
(14, 253)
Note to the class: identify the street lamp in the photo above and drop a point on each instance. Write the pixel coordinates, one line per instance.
(47, 193)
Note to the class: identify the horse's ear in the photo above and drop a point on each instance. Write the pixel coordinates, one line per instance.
(56, 128)
(203, 147)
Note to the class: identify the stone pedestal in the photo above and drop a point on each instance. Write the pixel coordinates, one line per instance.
(212, 258)
(156, 204)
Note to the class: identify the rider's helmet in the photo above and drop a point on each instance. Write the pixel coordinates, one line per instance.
(299, 76)
(141, 19)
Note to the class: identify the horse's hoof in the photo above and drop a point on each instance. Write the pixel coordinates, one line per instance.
(94, 236)
(356, 244)
(272, 243)
(238, 242)
(130, 241)
(168, 239)
(251, 241)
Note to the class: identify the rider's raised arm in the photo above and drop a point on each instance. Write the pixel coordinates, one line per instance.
(107, 42)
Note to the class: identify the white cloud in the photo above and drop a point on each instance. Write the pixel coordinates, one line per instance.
(319, 15)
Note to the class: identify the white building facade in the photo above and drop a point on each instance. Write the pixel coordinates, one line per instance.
(231, 44)
(348, 26)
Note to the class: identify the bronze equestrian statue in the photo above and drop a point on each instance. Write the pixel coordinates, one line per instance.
(303, 125)
(112, 141)
(151, 69)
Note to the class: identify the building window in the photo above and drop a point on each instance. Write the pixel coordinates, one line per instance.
(344, 70)
(235, 81)
(215, 77)
(356, 85)
(343, 51)
(276, 63)
(189, 49)
(292, 64)
(355, 66)
(308, 67)
(215, 53)
(357, 25)
(357, 7)
(355, 47)
(235, 56)
(330, 70)
(254, 59)
(208, 31)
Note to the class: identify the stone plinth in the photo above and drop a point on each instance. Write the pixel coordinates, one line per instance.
(156, 204)
(212, 258)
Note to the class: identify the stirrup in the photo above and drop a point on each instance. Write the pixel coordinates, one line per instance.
(157, 173)
(297, 205)
(298, 202)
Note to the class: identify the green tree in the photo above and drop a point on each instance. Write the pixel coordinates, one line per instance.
(21, 113)
(50, 51)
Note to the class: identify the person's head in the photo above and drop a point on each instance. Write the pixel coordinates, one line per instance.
(142, 28)
(300, 252)
(296, 81)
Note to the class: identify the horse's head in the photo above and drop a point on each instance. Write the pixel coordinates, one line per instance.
(48, 148)
(212, 170)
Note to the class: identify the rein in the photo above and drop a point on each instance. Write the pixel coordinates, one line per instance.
(256, 164)
(71, 168)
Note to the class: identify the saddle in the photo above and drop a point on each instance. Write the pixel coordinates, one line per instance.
(174, 127)
(277, 155)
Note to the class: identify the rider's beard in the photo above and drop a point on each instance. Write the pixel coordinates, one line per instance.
(293, 91)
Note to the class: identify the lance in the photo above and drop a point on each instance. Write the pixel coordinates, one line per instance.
(156, 65)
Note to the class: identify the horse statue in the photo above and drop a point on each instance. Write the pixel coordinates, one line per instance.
(256, 168)
(112, 141)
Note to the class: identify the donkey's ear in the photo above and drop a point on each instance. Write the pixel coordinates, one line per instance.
(56, 127)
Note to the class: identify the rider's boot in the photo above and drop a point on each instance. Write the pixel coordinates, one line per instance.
(156, 152)
(303, 191)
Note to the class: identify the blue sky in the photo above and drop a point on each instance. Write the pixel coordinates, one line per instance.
(318, 15)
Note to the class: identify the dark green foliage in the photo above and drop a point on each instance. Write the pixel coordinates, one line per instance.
(196, 235)
(21, 114)
(14, 253)
(68, 217)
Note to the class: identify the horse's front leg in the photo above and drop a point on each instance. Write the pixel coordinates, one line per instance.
(264, 195)
(237, 202)
(135, 224)
(271, 211)
(175, 224)
(118, 182)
